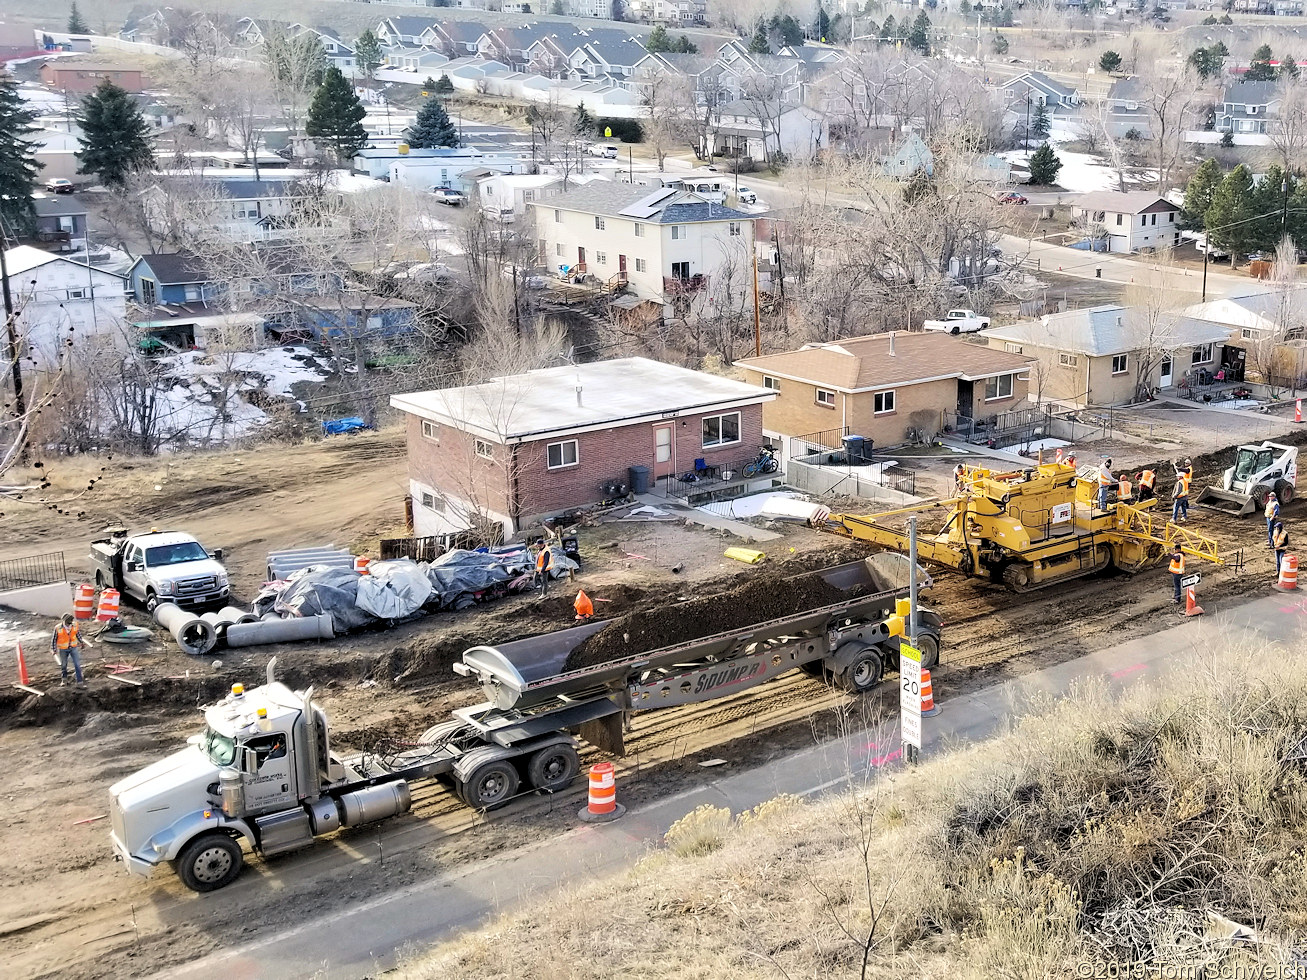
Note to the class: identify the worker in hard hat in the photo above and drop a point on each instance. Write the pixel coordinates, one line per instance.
(1146, 479)
(1105, 481)
(65, 643)
(1272, 514)
(1180, 508)
(544, 568)
(1177, 571)
(1280, 538)
(960, 477)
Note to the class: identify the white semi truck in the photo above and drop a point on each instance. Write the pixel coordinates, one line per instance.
(263, 773)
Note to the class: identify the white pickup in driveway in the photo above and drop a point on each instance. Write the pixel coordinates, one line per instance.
(959, 321)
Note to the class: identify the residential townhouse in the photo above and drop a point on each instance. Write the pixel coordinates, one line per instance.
(1131, 221)
(667, 245)
(1247, 107)
(453, 38)
(409, 32)
(239, 208)
(606, 53)
(1040, 90)
(671, 13)
(1126, 111)
(744, 128)
(61, 300)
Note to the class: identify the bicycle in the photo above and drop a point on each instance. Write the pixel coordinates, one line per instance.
(765, 463)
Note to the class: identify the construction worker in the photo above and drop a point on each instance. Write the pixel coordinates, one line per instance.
(1272, 513)
(1280, 539)
(1177, 571)
(544, 565)
(1180, 508)
(583, 606)
(1123, 489)
(1185, 466)
(960, 477)
(65, 644)
(1146, 479)
(1105, 481)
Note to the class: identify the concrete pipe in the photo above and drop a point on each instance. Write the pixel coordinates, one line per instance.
(271, 617)
(193, 634)
(232, 614)
(282, 631)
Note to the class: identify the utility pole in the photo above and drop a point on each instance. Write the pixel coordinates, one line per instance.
(20, 404)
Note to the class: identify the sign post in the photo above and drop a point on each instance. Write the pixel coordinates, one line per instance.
(910, 699)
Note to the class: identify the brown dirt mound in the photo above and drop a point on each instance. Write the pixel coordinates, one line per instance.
(760, 600)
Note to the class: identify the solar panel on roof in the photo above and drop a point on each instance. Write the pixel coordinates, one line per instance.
(647, 206)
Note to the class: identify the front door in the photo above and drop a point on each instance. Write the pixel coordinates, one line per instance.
(271, 786)
(1165, 380)
(664, 464)
(580, 256)
(965, 392)
(621, 266)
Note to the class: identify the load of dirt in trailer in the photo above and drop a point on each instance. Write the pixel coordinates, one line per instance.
(766, 598)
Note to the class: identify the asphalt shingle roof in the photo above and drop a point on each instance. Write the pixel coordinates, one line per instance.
(62, 204)
(175, 268)
(610, 199)
(1251, 93)
(1102, 330)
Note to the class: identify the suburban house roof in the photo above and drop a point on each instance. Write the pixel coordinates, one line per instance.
(1101, 331)
(1260, 311)
(174, 268)
(665, 206)
(1124, 202)
(1126, 90)
(244, 189)
(1038, 80)
(577, 398)
(461, 31)
(25, 258)
(412, 26)
(1252, 93)
(888, 360)
(58, 205)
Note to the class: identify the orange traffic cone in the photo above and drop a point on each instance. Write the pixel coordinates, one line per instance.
(928, 705)
(23, 679)
(602, 804)
(583, 606)
(1191, 607)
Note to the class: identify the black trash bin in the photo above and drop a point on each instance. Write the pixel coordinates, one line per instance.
(638, 478)
(856, 450)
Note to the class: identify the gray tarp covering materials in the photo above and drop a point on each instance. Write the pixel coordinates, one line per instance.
(393, 589)
(314, 590)
(458, 574)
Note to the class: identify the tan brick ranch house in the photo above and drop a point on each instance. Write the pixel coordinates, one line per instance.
(527, 446)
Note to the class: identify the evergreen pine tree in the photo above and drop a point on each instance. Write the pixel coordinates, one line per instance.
(1110, 61)
(115, 137)
(76, 23)
(444, 85)
(584, 121)
(367, 53)
(1044, 166)
(758, 43)
(1039, 124)
(431, 127)
(683, 45)
(1198, 194)
(556, 8)
(18, 166)
(889, 30)
(1232, 203)
(1289, 67)
(658, 42)
(1271, 198)
(823, 24)
(336, 116)
(919, 36)
(1261, 69)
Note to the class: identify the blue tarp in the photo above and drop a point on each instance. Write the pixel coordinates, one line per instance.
(337, 426)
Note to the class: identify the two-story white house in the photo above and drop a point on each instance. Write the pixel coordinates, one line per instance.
(667, 245)
(60, 300)
(237, 207)
(1131, 221)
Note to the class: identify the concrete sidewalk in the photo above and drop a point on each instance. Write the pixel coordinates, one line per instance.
(363, 940)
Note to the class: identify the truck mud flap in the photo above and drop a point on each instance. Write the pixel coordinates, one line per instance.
(604, 733)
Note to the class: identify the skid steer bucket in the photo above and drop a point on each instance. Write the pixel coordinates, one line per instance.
(1226, 501)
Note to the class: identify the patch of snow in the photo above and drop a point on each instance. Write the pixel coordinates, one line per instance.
(1082, 173)
(1039, 444)
(750, 506)
(1237, 403)
(446, 245)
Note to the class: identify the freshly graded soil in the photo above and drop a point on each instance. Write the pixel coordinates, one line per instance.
(763, 599)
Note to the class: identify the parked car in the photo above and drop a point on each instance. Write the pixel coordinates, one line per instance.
(504, 216)
(59, 185)
(605, 151)
(436, 272)
(447, 195)
(1213, 251)
(1012, 197)
(746, 196)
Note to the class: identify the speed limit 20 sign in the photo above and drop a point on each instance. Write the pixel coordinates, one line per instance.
(910, 694)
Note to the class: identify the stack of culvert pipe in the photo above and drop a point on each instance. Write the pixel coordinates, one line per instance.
(193, 634)
(227, 616)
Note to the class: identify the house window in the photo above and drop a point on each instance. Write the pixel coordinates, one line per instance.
(147, 291)
(1246, 333)
(430, 430)
(1203, 354)
(882, 402)
(77, 294)
(641, 265)
(483, 449)
(735, 229)
(773, 383)
(1154, 221)
(721, 430)
(192, 294)
(825, 398)
(431, 502)
(1012, 348)
(639, 230)
(560, 454)
(599, 223)
(1120, 363)
(1068, 360)
(601, 258)
(558, 216)
(1118, 220)
(1000, 387)
(679, 233)
(558, 249)
(1100, 216)
(1170, 217)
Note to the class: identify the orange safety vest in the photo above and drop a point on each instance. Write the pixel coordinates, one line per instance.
(66, 636)
(1272, 506)
(1104, 478)
(1146, 478)
(542, 560)
(1182, 486)
(1177, 565)
(1281, 539)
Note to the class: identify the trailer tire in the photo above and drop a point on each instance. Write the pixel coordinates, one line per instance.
(1284, 492)
(863, 672)
(814, 668)
(490, 786)
(209, 862)
(928, 644)
(553, 768)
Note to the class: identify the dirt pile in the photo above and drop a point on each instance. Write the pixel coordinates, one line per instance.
(765, 598)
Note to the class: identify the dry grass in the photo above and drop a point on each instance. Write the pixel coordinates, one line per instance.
(1097, 830)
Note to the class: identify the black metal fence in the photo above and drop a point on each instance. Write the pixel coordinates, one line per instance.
(825, 441)
(24, 573)
(998, 430)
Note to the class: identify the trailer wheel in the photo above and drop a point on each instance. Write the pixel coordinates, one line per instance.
(209, 862)
(1284, 490)
(491, 785)
(553, 768)
(928, 644)
(814, 668)
(863, 672)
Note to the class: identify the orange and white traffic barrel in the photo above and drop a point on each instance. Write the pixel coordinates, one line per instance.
(1288, 580)
(603, 805)
(84, 601)
(108, 610)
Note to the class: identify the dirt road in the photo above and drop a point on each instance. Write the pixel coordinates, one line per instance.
(68, 910)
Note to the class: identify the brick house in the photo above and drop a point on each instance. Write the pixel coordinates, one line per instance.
(85, 76)
(883, 386)
(527, 446)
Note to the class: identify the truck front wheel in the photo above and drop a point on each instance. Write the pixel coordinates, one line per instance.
(209, 862)
(151, 600)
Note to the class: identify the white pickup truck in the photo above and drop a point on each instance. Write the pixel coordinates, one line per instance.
(161, 566)
(959, 321)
